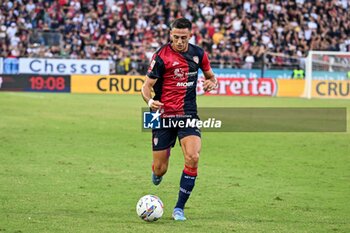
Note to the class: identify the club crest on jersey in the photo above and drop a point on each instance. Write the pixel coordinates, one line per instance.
(196, 59)
(155, 141)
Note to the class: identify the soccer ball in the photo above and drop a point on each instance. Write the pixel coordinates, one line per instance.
(149, 208)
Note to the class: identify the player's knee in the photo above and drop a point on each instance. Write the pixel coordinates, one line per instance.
(192, 159)
(160, 169)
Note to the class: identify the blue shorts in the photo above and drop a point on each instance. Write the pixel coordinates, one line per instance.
(165, 138)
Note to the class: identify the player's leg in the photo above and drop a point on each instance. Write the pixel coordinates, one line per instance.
(191, 146)
(160, 165)
(162, 141)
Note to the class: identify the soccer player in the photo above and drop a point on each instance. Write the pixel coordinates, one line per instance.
(173, 75)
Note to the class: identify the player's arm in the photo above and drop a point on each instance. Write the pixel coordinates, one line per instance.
(146, 92)
(210, 82)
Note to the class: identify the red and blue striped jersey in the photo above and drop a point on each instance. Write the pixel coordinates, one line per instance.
(177, 75)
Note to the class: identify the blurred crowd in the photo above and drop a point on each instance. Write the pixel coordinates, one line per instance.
(236, 33)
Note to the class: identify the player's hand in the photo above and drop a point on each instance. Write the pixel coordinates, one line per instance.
(209, 85)
(155, 104)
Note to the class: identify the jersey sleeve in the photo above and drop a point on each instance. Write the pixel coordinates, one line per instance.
(205, 64)
(156, 68)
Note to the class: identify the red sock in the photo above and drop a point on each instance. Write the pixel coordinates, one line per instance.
(191, 171)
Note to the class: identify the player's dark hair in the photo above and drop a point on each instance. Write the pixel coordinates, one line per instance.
(181, 23)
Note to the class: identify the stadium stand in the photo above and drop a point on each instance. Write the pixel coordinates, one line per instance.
(236, 34)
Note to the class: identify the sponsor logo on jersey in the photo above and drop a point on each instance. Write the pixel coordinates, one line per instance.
(179, 73)
(185, 84)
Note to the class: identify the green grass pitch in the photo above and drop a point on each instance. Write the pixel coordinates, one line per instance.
(79, 163)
